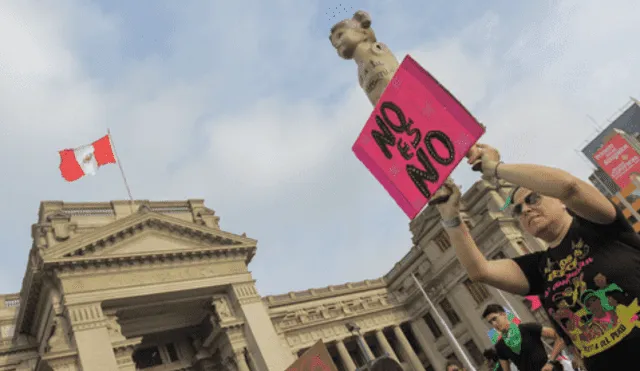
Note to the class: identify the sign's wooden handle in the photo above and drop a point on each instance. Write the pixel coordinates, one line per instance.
(439, 200)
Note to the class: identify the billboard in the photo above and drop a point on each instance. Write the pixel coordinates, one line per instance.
(628, 121)
(316, 358)
(619, 160)
(416, 136)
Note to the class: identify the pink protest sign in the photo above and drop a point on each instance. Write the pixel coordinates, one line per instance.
(416, 136)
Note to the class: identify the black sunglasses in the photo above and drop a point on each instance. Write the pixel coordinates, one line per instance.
(530, 199)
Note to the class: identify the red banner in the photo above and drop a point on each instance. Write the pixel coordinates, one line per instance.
(619, 160)
(316, 358)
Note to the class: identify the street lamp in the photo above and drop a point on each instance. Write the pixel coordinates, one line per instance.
(355, 329)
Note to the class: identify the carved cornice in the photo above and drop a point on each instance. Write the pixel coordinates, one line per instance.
(297, 297)
(10, 348)
(425, 221)
(415, 260)
(246, 293)
(323, 314)
(136, 275)
(127, 227)
(85, 317)
(123, 262)
(60, 359)
(127, 346)
(235, 334)
(336, 330)
(29, 297)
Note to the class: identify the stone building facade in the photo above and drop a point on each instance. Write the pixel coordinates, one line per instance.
(159, 286)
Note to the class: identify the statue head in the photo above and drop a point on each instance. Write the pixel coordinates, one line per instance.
(347, 34)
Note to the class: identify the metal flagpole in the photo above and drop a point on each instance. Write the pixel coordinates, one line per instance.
(504, 298)
(452, 339)
(124, 178)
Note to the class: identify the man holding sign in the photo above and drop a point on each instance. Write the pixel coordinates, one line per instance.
(589, 278)
(416, 136)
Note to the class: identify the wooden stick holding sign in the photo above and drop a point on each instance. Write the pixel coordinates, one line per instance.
(418, 132)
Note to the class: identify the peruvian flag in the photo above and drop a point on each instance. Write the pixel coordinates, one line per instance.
(76, 163)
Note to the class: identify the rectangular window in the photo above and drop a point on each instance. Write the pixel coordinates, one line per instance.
(449, 312)
(172, 353)
(499, 255)
(147, 357)
(474, 352)
(477, 290)
(433, 326)
(442, 240)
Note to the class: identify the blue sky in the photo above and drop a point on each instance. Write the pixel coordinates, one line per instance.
(246, 105)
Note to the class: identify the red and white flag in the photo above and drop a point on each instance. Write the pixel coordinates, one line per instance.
(85, 160)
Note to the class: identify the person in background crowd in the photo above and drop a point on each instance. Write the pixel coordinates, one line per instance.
(492, 361)
(588, 279)
(522, 344)
(454, 366)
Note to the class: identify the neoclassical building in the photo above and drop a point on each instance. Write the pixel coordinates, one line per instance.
(159, 286)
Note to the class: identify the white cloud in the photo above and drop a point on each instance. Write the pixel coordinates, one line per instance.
(257, 115)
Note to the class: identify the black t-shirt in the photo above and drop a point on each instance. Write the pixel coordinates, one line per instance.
(589, 285)
(532, 356)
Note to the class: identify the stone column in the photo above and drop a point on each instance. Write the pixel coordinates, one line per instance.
(428, 343)
(347, 362)
(386, 347)
(268, 352)
(367, 349)
(92, 338)
(404, 343)
(202, 358)
(241, 361)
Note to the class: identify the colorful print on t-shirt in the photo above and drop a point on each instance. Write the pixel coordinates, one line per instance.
(595, 313)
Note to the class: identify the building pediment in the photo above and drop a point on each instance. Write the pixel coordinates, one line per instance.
(147, 233)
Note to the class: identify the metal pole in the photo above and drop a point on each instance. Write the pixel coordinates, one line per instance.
(363, 348)
(504, 298)
(124, 178)
(452, 339)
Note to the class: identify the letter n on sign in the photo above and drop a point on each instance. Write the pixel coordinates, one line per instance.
(416, 136)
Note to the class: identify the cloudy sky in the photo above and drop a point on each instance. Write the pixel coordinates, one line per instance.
(245, 104)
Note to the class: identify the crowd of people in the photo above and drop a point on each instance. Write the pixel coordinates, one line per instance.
(588, 280)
